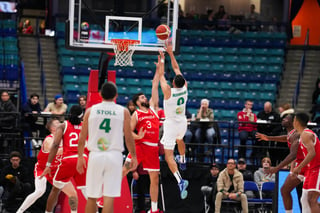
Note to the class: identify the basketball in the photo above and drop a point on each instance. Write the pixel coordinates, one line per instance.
(163, 32)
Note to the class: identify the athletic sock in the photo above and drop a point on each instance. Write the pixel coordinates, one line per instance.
(288, 211)
(48, 212)
(154, 206)
(177, 176)
(182, 159)
(74, 211)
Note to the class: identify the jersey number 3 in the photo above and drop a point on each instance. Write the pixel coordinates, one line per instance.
(105, 125)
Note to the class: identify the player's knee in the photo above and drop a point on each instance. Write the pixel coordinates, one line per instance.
(284, 190)
(73, 202)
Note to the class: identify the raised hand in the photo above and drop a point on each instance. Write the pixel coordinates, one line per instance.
(261, 137)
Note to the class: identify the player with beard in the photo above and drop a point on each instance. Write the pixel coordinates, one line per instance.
(145, 122)
(292, 138)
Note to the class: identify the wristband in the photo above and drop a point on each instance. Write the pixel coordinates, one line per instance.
(162, 61)
(48, 164)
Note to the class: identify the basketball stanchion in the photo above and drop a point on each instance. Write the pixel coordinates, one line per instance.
(162, 195)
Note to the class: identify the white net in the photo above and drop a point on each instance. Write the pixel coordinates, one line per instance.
(124, 49)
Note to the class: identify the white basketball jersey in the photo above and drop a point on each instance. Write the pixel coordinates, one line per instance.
(106, 127)
(175, 106)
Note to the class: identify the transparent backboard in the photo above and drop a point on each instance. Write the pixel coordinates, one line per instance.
(91, 28)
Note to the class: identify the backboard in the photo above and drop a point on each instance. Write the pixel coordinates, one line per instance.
(93, 23)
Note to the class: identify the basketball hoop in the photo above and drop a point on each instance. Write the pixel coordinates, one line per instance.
(124, 49)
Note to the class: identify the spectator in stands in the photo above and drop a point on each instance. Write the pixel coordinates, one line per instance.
(285, 109)
(29, 116)
(210, 22)
(131, 107)
(271, 128)
(57, 106)
(242, 167)
(261, 175)
(27, 27)
(252, 18)
(247, 175)
(272, 117)
(221, 14)
(222, 19)
(230, 185)
(42, 27)
(209, 190)
(245, 128)
(275, 26)
(7, 112)
(83, 102)
(205, 132)
(16, 182)
(252, 15)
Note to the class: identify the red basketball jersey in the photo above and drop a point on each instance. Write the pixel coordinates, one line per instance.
(70, 139)
(299, 157)
(150, 122)
(315, 162)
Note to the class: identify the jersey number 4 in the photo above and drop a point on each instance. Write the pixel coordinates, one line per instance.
(105, 125)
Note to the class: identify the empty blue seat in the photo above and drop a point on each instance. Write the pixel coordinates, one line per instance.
(70, 79)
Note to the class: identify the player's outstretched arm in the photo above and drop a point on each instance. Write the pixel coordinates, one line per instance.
(81, 164)
(154, 100)
(129, 140)
(307, 139)
(263, 137)
(174, 63)
(54, 149)
(166, 89)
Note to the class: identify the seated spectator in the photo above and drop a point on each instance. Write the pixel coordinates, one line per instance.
(29, 116)
(205, 133)
(210, 22)
(27, 27)
(83, 102)
(209, 190)
(285, 109)
(57, 106)
(252, 18)
(247, 175)
(272, 128)
(7, 112)
(230, 185)
(16, 182)
(222, 19)
(242, 167)
(262, 174)
(245, 128)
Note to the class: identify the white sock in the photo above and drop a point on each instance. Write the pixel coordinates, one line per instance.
(75, 211)
(19, 211)
(177, 176)
(288, 211)
(182, 158)
(154, 206)
(48, 212)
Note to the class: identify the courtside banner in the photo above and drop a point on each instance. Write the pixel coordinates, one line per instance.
(7, 7)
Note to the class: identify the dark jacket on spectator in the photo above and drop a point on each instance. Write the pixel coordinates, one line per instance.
(7, 119)
(247, 175)
(28, 108)
(269, 129)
